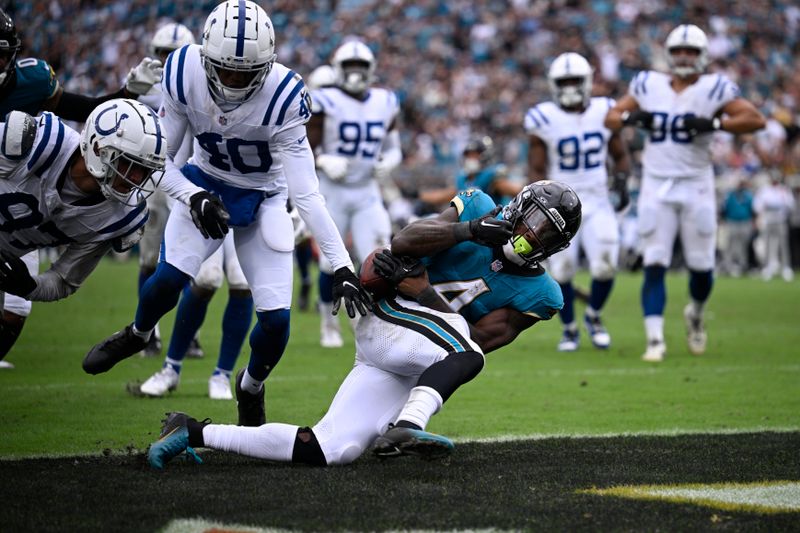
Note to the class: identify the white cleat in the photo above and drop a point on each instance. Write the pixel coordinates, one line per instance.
(597, 332)
(569, 342)
(656, 350)
(330, 338)
(219, 387)
(6, 365)
(160, 383)
(695, 331)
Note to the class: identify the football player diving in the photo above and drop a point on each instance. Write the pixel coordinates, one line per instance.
(468, 282)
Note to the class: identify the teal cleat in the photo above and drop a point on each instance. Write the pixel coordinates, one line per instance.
(173, 440)
(406, 441)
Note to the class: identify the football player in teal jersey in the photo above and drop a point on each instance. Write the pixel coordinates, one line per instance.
(468, 282)
(30, 85)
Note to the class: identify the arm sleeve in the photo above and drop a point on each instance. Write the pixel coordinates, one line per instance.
(298, 165)
(68, 272)
(391, 153)
(77, 107)
(175, 124)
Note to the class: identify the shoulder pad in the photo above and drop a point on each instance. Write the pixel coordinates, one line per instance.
(18, 135)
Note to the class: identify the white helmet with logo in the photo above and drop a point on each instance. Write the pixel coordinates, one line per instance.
(564, 69)
(687, 36)
(122, 137)
(170, 37)
(238, 36)
(354, 65)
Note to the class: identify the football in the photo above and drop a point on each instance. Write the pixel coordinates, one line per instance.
(373, 282)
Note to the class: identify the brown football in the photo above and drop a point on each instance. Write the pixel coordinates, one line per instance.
(373, 282)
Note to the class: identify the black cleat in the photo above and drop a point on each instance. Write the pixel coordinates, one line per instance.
(173, 441)
(195, 351)
(104, 355)
(406, 441)
(250, 406)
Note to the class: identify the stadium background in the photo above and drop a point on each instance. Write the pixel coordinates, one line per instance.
(460, 67)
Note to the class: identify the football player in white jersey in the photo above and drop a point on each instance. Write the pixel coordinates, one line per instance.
(251, 153)
(569, 143)
(196, 297)
(84, 191)
(679, 111)
(354, 131)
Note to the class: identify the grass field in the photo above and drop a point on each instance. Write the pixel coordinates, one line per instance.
(748, 382)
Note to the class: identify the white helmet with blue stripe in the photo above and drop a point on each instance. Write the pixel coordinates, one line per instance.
(570, 80)
(692, 37)
(238, 36)
(124, 149)
(170, 37)
(354, 66)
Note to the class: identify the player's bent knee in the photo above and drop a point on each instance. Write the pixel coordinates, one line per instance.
(307, 449)
(168, 278)
(274, 320)
(602, 271)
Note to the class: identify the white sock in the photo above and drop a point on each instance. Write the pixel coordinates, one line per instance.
(591, 312)
(422, 404)
(251, 385)
(572, 326)
(175, 365)
(697, 307)
(274, 442)
(143, 334)
(654, 327)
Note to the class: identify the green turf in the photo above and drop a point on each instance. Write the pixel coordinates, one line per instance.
(748, 380)
(524, 485)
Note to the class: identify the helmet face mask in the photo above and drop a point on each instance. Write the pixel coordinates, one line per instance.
(124, 149)
(570, 80)
(687, 51)
(238, 38)
(546, 215)
(354, 66)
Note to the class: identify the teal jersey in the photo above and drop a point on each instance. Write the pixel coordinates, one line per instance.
(34, 83)
(476, 280)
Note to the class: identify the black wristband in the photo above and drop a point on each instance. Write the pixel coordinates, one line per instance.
(461, 231)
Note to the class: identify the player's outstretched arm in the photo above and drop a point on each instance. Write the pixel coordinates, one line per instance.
(68, 272)
(740, 116)
(429, 236)
(537, 159)
(625, 113)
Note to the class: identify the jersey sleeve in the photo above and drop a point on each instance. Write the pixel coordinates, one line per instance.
(47, 83)
(320, 103)
(547, 301)
(638, 86)
(290, 105)
(535, 121)
(472, 204)
(723, 90)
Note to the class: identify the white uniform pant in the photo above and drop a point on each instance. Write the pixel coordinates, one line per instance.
(668, 206)
(264, 249)
(17, 304)
(358, 210)
(222, 263)
(598, 237)
(389, 360)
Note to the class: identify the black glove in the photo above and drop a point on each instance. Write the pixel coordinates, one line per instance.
(209, 215)
(638, 118)
(490, 231)
(697, 125)
(14, 276)
(347, 286)
(618, 192)
(395, 269)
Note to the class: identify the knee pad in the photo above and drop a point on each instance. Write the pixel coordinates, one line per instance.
(307, 449)
(210, 275)
(603, 268)
(275, 320)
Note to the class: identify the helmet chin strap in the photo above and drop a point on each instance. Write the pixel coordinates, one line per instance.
(511, 255)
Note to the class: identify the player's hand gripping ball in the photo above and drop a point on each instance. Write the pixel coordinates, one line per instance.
(378, 286)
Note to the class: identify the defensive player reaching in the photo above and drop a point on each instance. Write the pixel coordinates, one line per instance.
(477, 286)
(354, 129)
(569, 143)
(30, 85)
(251, 154)
(679, 111)
(82, 191)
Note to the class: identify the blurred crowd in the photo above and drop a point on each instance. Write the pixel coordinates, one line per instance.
(462, 67)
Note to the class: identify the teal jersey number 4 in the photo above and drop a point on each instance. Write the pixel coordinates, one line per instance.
(472, 279)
